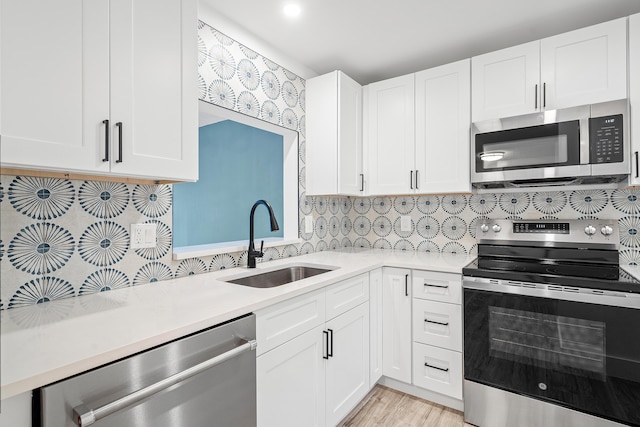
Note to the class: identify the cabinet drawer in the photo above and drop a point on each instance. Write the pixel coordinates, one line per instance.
(346, 295)
(437, 369)
(281, 322)
(444, 287)
(437, 323)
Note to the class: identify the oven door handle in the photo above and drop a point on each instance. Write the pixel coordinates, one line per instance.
(437, 323)
(84, 416)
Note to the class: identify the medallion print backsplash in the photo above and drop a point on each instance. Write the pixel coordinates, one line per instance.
(62, 238)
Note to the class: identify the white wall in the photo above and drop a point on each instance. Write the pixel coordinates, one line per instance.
(209, 15)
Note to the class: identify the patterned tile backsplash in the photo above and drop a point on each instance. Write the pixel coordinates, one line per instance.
(61, 238)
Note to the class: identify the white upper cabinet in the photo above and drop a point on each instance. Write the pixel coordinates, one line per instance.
(584, 66)
(505, 82)
(104, 87)
(389, 148)
(54, 83)
(634, 96)
(443, 116)
(334, 135)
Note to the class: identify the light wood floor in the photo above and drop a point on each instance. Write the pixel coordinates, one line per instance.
(387, 407)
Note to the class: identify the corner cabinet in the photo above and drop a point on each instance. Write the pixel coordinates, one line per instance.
(313, 356)
(334, 135)
(106, 87)
(417, 138)
(390, 136)
(584, 66)
(634, 96)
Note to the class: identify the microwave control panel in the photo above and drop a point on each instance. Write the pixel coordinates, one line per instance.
(606, 139)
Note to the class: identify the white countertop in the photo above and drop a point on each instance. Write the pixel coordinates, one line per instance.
(48, 342)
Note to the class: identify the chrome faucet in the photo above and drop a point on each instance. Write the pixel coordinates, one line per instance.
(253, 254)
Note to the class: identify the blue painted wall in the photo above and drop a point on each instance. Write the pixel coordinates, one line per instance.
(239, 164)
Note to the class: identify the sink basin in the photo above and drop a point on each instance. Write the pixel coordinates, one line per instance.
(279, 277)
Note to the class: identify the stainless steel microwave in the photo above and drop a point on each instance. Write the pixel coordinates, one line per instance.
(578, 145)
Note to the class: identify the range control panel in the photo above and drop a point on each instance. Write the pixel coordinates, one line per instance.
(562, 231)
(605, 139)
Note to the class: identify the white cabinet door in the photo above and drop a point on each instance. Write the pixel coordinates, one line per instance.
(634, 96)
(16, 411)
(375, 326)
(443, 98)
(291, 383)
(347, 369)
(54, 84)
(105, 87)
(505, 82)
(396, 329)
(584, 66)
(438, 369)
(153, 88)
(390, 136)
(437, 323)
(334, 135)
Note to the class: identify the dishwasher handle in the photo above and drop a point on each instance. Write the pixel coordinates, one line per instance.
(84, 416)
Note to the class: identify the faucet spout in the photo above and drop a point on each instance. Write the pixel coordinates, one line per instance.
(253, 254)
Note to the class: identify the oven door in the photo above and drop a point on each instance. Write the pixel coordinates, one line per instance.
(578, 354)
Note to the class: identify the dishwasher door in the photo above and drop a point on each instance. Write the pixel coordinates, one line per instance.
(149, 388)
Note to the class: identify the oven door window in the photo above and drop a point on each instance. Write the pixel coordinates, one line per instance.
(583, 356)
(555, 144)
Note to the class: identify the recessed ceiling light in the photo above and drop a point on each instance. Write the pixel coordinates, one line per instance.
(292, 10)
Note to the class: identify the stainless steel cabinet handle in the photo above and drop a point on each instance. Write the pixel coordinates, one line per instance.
(411, 180)
(106, 140)
(417, 188)
(536, 97)
(637, 166)
(84, 416)
(544, 95)
(361, 182)
(437, 323)
(435, 367)
(119, 126)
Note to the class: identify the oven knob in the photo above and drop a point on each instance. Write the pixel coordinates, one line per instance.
(590, 230)
(496, 228)
(484, 228)
(606, 230)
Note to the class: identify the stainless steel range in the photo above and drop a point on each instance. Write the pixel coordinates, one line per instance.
(551, 327)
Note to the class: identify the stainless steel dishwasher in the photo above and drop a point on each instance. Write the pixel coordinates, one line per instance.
(202, 380)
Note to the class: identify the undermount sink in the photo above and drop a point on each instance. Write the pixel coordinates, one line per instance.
(279, 277)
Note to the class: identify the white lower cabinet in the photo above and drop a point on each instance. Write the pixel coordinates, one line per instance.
(314, 369)
(437, 369)
(291, 383)
(375, 326)
(396, 324)
(16, 411)
(422, 333)
(347, 368)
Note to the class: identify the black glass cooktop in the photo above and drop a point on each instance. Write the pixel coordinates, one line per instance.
(595, 270)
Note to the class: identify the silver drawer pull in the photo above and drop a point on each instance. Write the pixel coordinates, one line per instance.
(436, 286)
(436, 367)
(84, 416)
(437, 323)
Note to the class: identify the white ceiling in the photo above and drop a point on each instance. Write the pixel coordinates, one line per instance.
(372, 40)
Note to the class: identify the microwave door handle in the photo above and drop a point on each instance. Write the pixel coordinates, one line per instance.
(585, 154)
